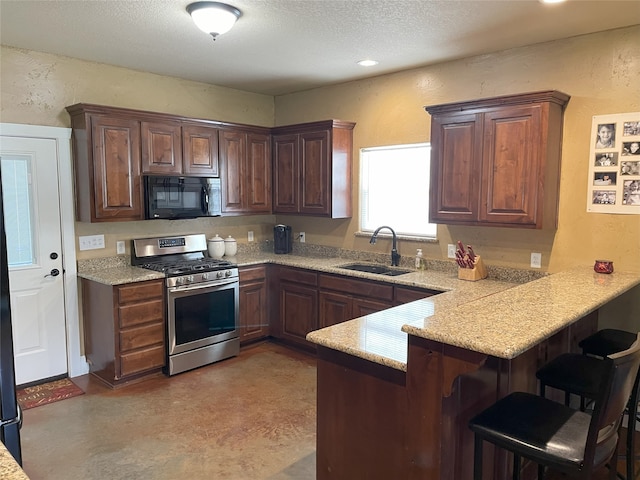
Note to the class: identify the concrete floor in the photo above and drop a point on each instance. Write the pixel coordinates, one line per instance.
(251, 417)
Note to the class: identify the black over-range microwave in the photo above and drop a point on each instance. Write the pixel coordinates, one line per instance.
(181, 197)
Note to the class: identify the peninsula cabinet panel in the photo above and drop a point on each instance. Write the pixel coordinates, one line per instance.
(107, 167)
(496, 161)
(161, 147)
(124, 328)
(312, 169)
(246, 172)
(200, 151)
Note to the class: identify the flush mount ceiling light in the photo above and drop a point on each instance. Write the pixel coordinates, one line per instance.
(367, 63)
(213, 18)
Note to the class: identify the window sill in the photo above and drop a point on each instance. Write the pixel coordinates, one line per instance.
(399, 236)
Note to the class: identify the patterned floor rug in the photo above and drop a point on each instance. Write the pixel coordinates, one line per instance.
(37, 395)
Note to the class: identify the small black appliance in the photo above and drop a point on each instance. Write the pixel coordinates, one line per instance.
(282, 239)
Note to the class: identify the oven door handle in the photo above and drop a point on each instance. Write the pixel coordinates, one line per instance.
(220, 283)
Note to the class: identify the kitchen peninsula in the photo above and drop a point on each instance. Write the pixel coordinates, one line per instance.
(409, 420)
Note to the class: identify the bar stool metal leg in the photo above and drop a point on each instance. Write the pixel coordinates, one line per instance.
(477, 458)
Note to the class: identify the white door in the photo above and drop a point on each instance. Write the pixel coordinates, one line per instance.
(29, 172)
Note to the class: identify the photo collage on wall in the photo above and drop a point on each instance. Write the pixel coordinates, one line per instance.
(614, 164)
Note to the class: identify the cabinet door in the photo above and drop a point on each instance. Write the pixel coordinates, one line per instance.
(286, 176)
(200, 151)
(334, 308)
(258, 176)
(233, 168)
(254, 323)
(315, 173)
(116, 169)
(298, 312)
(161, 147)
(512, 168)
(456, 151)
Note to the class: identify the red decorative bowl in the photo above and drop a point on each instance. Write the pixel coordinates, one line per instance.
(603, 266)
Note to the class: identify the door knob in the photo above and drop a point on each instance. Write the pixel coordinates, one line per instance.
(53, 273)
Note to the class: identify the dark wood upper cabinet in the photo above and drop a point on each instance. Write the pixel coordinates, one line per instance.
(245, 164)
(107, 166)
(200, 151)
(312, 169)
(496, 161)
(161, 147)
(309, 172)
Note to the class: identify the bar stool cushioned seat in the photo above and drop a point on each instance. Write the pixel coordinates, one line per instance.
(558, 436)
(578, 374)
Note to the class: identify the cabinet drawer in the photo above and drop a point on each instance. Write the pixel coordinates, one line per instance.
(139, 313)
(140, 291)
(252, 273)
(362, 288)
(142, 336)
(142, 360)
(298, 276)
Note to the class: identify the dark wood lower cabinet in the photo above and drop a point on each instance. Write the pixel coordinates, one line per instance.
(124, 330)
(414, 425)
(254, 305)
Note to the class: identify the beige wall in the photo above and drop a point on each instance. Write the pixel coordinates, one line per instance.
(36, 87)
(601, 73)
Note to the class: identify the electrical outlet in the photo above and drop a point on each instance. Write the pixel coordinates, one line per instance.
(536, 260)
(250, 236)
(451, 250)
(91, 242)
(120, 247)
(302, 237)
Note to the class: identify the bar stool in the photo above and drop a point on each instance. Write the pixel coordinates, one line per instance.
(558, 436)
(578, 374)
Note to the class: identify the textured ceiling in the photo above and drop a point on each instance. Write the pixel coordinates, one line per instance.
(282, 46)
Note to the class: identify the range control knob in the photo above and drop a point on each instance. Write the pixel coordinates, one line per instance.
(179, 281)
(205, 276)
(227, 273)
(219, 274)
(190, 279)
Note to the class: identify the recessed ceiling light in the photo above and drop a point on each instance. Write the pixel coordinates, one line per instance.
(367, 63)
(552, 1)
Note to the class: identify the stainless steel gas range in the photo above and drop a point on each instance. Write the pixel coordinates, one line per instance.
(201, 296)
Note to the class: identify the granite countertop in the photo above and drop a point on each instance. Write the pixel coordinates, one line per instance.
(9, 468)
(502, 316)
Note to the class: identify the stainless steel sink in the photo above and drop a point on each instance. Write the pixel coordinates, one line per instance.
(377, 269)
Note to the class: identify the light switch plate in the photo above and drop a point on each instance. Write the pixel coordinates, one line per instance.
(120, 250)
(250, 236)
(536, 260)
(91, 242)
(451, 250)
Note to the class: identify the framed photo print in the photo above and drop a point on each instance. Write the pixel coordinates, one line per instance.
(614, 164)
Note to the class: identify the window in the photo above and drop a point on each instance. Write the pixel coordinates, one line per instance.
(17, 204)
(394, 189)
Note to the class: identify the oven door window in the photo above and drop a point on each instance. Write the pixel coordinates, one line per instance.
(202, 317)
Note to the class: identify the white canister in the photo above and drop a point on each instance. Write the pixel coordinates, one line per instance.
(215, 247)
(230, 246)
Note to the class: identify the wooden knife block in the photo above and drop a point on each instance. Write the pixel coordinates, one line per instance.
(473, 274)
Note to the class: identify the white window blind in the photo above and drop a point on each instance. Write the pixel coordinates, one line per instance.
(16, 202)
(394, 189)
